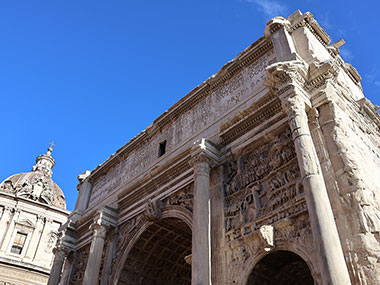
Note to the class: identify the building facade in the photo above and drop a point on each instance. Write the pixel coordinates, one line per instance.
(32, 209)
(266, 173)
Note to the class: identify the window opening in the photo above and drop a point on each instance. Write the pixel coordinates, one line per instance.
(162, 148)
(18, 243)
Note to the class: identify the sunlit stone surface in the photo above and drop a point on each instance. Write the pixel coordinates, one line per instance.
(266, 173)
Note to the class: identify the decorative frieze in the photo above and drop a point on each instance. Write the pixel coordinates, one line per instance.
(183, 198)
(80, 265)
(261, 186)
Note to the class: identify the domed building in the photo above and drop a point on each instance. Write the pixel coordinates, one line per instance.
(32, 208)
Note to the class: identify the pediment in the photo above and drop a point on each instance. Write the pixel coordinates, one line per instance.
(26, 223)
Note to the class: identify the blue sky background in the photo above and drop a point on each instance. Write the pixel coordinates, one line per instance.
(91, 75)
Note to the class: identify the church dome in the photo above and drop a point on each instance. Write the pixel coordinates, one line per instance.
(37, 185)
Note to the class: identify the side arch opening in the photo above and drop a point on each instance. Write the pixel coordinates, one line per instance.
(281, 267)
(158, 255)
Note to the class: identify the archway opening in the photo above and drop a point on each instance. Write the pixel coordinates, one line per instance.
(158, 256)
(281, 267)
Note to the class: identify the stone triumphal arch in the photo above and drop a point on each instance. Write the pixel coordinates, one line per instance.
(266, 173)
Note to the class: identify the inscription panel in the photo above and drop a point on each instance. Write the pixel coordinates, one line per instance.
(190, 123)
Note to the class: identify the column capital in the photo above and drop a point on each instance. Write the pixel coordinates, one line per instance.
(40, 217)
(61, 251)
(104, 219)
(283, 75)
(204, 151)
(99, 230)
(8, 209)
(293, 104)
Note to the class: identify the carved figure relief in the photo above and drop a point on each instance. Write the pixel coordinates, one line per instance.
(262, 187)
(183, 198)
(8, 187)
(51, 241)
(37, 189)
(126, 231)
(80, 265)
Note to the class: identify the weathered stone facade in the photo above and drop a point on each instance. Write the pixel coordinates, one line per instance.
(32, 209)
(263, 174)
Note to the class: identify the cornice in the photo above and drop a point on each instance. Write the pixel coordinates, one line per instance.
(307, 20)
(250, 118)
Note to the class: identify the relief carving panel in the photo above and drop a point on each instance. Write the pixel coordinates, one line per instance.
(183, 198)
(80, 265)
(262, 187)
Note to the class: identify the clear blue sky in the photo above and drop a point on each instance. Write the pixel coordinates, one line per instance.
(91, 75)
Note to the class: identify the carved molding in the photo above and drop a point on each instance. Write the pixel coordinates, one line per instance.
(261, 113)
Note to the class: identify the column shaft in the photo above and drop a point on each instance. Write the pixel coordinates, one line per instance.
(217, 227)
(56, 270)
(201, 224)
(91, 275)
(332, 264)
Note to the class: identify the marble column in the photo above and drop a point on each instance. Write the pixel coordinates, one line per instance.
(68, 268)
(60, 255)
(217, 226)
(331, 259)
(201, 223)
(204, 154)
(4, 222)
(92, 272)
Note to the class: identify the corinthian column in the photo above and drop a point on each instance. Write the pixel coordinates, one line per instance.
(204, 154)
(60, 255)
(103, 220)
(91, 275)
(331, 259)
